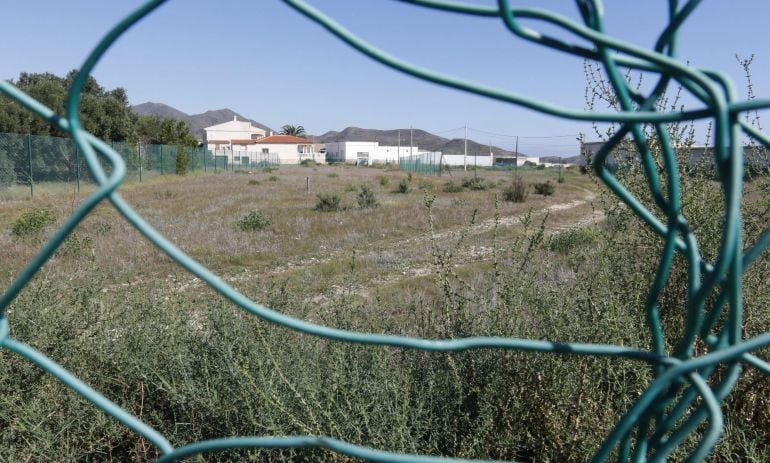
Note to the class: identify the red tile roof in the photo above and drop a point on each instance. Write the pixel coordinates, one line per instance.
(243, 142)
(284, 140)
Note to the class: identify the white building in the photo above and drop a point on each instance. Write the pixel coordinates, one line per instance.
(221, 136)
(366, 152)
(290, 149)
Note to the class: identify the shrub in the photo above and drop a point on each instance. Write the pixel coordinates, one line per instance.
(545, 189)
(425, 186)
(384, 180)
(568, 240)
(409, 177)
(351, 188)
(273, 178)
(267, 170)
(181, 160)
(328, 203)
(477, 183)
(333, 175)
(560, 178)
(32, 222)
(164, 194)
(404, 186)
(253, 182)
(451, 187)
(529, 164)
(517, 191)
(366, 198)
(307, 163)
(541, 167)
(253, 221)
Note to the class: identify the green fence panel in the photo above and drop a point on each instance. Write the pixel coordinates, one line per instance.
(685, 381)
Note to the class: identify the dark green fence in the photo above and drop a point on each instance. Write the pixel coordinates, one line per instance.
(423, 163)
(30, 159)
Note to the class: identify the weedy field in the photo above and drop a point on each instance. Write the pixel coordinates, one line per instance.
(358, 248)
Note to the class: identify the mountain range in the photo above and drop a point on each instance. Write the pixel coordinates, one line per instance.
(424, 140)
(197, 122)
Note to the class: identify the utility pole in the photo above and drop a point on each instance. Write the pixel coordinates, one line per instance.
(411, 143)
(399, 145)
(516, 167)
(465, 151)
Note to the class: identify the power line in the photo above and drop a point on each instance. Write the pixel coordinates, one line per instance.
(570, 135)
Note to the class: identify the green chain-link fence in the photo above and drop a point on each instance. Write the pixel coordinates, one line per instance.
(423, 163)
(689, 383)
(30, 159)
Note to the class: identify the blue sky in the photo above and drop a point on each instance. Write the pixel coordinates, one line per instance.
(267, 62)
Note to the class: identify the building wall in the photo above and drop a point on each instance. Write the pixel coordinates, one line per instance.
(233, 130)
(457, 160)
(288, 153)
(348, 151)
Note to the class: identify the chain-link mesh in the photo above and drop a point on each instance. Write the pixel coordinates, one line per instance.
(685, 394)
(423, 163)
(30, 159)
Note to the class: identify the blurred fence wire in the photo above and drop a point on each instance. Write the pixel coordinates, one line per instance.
(683, 401)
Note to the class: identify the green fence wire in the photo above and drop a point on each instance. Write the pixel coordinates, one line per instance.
(30, 159)
(685, 394)
(423, 163)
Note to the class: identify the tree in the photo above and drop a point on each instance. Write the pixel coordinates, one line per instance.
(295, 130)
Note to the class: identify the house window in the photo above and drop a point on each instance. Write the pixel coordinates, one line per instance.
(265, 150)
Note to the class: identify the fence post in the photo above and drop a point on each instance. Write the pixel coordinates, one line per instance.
(29, 154)
(203, 151)
(77, 166)
(161, 159)
(139, 150)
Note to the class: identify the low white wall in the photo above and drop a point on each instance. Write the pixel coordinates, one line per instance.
(457, 160)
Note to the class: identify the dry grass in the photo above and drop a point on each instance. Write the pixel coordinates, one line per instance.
(198, 212)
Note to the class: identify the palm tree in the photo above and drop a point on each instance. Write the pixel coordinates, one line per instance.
(295, 130)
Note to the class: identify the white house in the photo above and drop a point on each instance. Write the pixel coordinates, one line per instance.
(221, 136)
(290, 149)
(366, 152)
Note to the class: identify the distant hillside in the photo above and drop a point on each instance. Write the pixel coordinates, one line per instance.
(424, 140)
(420, 138)
(197, 122)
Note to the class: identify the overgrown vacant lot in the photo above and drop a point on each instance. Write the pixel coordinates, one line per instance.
(301, 245)
(112, 309)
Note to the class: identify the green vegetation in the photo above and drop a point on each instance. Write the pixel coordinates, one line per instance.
(181, 160)
(451, 187)
(477, 183)
(566, 241)
(33, 222)
(517, 191)
(384, 180)
(308, 163)
(293, 130)
(366, 198)
(404, 186)
(253, 221)
(545, 188)
(328, 203)
(104, 113)
(127, 322)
